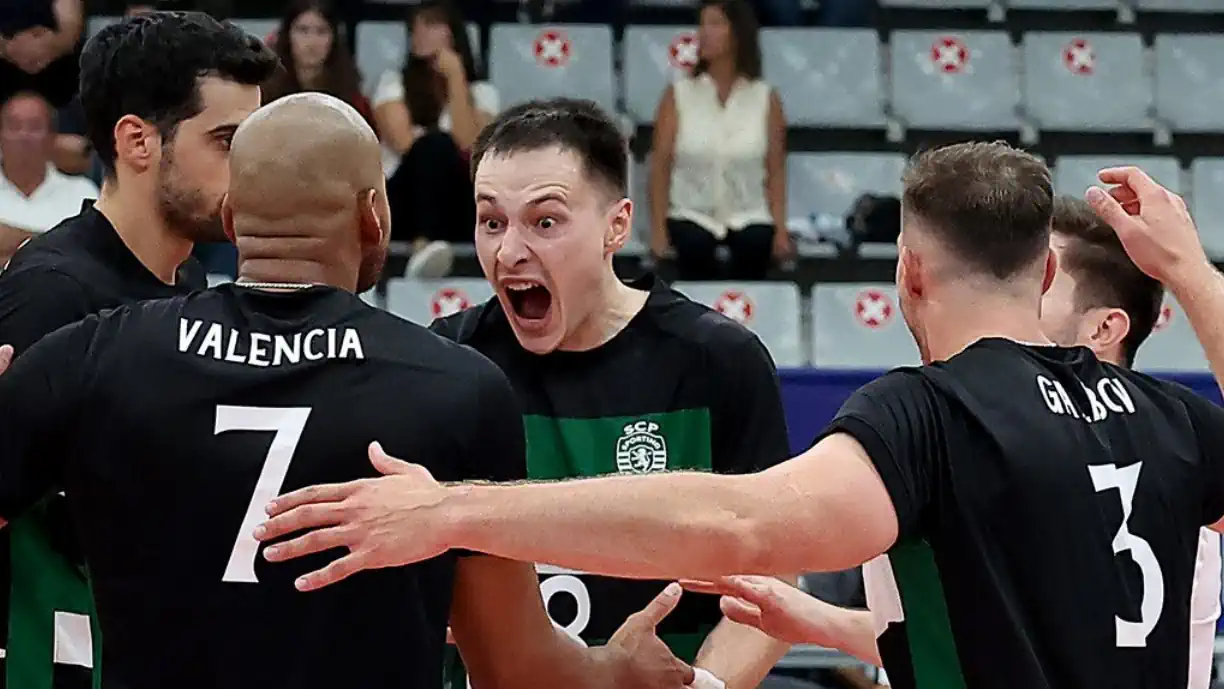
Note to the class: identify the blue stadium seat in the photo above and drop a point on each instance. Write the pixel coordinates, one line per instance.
(826, 77)
(1207, 203)
(1086, 82)
(1212, 6)
(1172, 346)
(830, 182)
(955, 80)
(383, 46)
(421, 301)
(769, 309)
(527, 61)
(859, 326)
(1061, 5)
(654, 57)
(1190, 82)
(937, 4)
(1074, 174)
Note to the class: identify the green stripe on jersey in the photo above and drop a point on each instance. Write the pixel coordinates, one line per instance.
(928, 628)
(569, 448)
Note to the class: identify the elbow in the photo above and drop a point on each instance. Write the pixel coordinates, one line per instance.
(749, 545)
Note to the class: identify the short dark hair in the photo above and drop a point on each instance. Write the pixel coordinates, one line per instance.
(1105, 276)
(745, 33)
(340, 77)
(149, 66)
(989, 203)
(574, 125)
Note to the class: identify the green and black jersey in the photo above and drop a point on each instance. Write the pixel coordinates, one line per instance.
(680, 388)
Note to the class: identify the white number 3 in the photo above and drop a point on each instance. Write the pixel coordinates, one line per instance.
(1125, 480)
(288, 424)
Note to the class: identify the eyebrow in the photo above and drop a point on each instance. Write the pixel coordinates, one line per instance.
(550, 196)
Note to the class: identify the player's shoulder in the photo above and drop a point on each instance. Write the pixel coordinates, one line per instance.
(677, 317)
(446, 346)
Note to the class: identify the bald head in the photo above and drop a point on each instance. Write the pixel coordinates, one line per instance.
(305, 156)
(307, 185)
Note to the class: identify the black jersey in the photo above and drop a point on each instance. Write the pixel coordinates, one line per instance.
(78, 268)
(172, 423)
(1049, 509)
(679, 388)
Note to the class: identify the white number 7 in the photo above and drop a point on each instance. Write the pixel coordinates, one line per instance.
(1132, 634)
(288, 424)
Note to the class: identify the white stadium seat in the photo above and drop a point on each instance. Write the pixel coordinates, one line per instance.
(421, 301)
(859, 326)
(769, 309)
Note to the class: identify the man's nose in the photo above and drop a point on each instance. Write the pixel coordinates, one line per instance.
(513, 249)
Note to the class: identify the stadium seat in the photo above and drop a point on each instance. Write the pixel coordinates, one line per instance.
(1172, 346)
(1086, 82)
(639, 192)
(383, 46)
(653, 57)
(826, 77)
(1190, 82)
(769, 309)
(215, 279)
(421, 301)
(1207, 203)
(859, 326)
(1059, 5)
(96, 23)
(831, 182)
(937, 4)
(1074, 174)
(527, 61)
(955, 80)
(1178, 5)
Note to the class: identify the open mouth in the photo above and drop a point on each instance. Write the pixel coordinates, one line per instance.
(530, 301)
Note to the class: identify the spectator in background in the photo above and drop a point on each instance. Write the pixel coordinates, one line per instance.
(311, 46)
(34, 196)
(38, 45)
(718, 172)
(428, 116)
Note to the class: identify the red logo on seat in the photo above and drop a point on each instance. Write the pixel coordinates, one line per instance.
(552, 48)
(735, 305)
(447, 302)
(950, 55)
(873, 308)
(682, 53)
(1163, 320)
(1079, 57)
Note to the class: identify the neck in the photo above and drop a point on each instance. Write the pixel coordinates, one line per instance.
(294, 272)
(952, 324)
(308, 77)
(723, 72)
(26, 177)
(617, 304)
(143, 229)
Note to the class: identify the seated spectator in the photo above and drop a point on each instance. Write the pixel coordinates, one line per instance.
(718, 172)
(34, 196)
(312, 50)
(428, 116)
(38, 45)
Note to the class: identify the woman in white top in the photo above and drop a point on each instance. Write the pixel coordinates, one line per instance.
(428, 116)
(718, 172)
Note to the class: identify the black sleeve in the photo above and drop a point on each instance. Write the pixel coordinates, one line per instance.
(446, 327)
(748, 423)
(896, 420)
(498, 451)
(36, 302)
(1208, 420)
(42, 395)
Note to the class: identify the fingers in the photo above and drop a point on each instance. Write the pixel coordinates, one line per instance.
(740, 611)
(337, 571)
(695, 586)
(1132, 177)
(1127, 197)
(334, 492)
(385, 463)
(308, 544)
(687, 674)
(1109, 210)
(659, 608)
(300, 519)
(6, 357)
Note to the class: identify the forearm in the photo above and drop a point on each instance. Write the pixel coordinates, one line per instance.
(1200, 291)
(849, 631)
(682, 525)
(464, 125)
(775, 192)
(70, 23)
(739, 655)
(570, 664)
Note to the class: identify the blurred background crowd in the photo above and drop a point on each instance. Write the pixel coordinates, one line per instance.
(768, 139)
